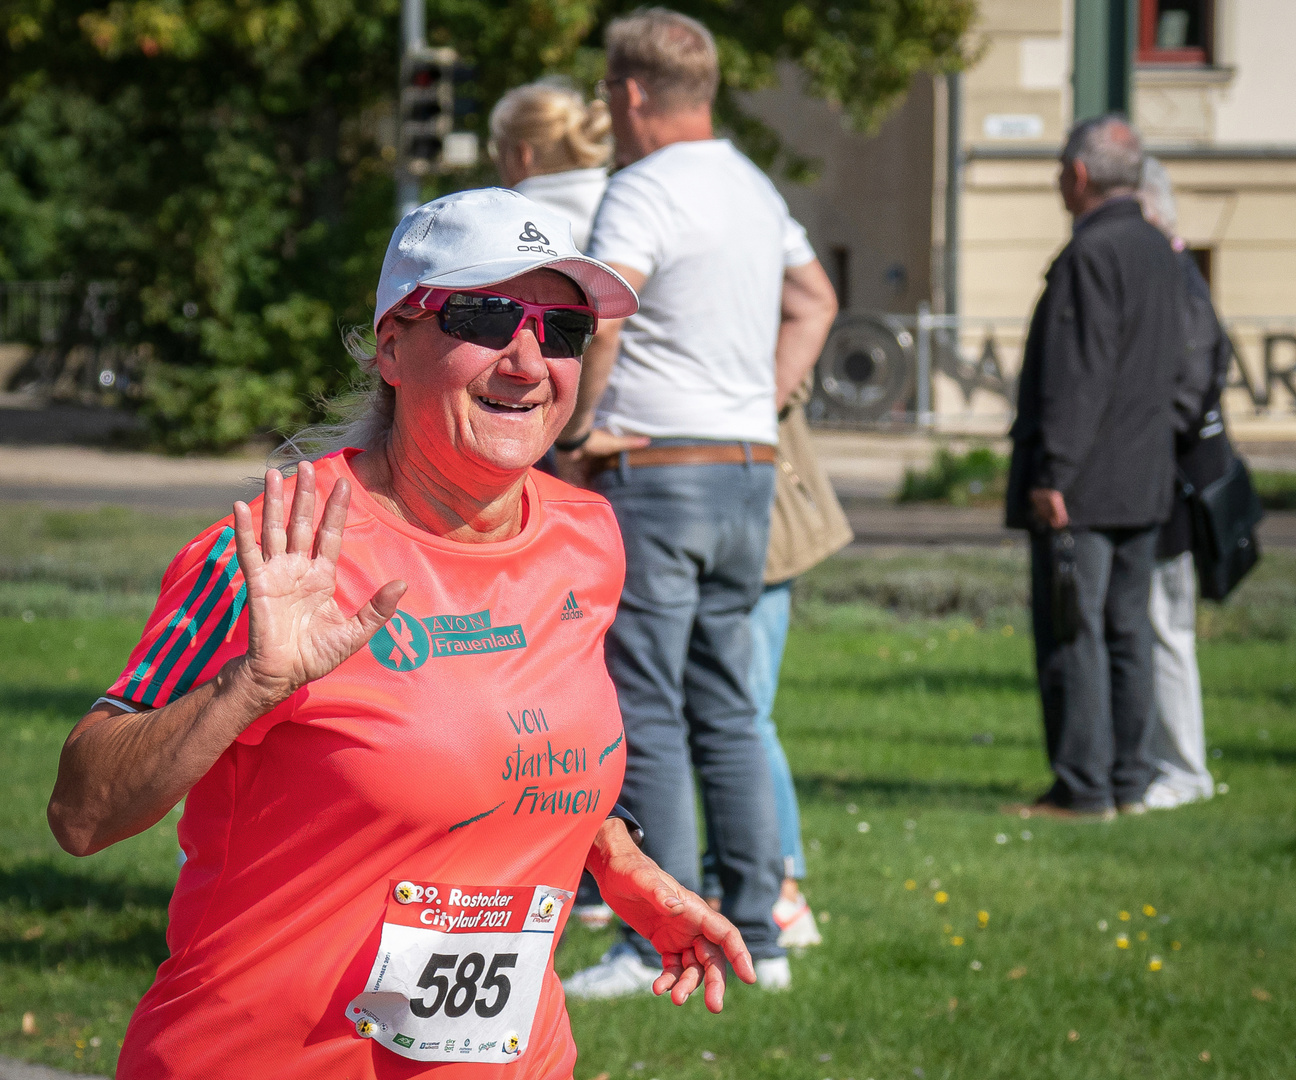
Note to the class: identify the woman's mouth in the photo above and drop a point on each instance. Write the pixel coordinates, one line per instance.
(496, 405)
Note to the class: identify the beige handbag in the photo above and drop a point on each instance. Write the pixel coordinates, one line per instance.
(807, 523)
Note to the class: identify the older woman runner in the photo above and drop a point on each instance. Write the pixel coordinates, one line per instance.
(398, 749)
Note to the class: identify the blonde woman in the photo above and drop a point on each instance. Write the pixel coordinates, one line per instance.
(554, 148)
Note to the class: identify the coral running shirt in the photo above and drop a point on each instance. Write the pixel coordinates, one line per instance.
(475, 743)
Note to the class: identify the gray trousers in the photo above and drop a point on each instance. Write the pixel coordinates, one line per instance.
(680, 654)
(1178, 743)
(1097, 691)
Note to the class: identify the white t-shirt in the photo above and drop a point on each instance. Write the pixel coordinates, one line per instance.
(575, 194)
(714, 237)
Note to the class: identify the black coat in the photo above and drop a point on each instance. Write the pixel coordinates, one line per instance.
(1095, 414)
(1202, 450)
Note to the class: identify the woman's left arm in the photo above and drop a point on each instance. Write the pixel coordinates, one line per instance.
(694, 941)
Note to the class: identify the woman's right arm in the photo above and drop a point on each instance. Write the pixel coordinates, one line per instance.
(121, 772)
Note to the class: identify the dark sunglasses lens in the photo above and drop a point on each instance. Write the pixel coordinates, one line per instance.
(567, 333)
(489, 321)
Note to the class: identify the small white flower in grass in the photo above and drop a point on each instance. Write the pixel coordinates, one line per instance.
(975, 965)
(1102, 925)
(1221, 789)
(863, 826)
(851, 808)
(911, 824)
(707, 1055)
(1001, 838)
(1026, 834)
(825, 1057)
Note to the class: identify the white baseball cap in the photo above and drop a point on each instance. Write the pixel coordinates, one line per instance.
(481, 237)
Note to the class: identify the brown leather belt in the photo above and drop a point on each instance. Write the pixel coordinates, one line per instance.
(720, 454)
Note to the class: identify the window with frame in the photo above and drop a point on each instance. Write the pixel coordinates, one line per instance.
(1175, 31)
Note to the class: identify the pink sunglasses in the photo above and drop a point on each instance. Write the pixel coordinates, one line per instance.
(492, 319)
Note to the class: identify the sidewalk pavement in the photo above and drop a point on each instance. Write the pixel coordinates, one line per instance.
(866, 470)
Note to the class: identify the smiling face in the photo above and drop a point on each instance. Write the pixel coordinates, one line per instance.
(480, 416)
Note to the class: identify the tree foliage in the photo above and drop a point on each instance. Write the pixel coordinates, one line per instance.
(228, 162)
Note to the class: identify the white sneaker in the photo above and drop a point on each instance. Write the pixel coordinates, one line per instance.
(796, 923)
(1163, 795)
(774, 973)
(619, 974)
(593, 916)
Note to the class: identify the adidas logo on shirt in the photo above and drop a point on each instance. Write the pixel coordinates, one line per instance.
(571, 609)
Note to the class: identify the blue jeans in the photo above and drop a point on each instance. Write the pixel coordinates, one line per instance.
(769, 636)
(769, 629)
(680, 653)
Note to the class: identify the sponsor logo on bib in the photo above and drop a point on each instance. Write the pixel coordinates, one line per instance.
(406, 642)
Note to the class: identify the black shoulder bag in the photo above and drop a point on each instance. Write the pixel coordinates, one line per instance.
(1225, 514)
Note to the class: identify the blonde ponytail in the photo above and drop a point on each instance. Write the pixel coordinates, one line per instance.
(554, 120)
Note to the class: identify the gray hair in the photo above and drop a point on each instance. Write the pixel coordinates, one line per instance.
(672, 56)
(1110, 150)
(1156, 196)
(360, 416)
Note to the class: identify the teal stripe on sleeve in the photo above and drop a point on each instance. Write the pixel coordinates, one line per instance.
(213, 642)
(187, 636)
(209, 567)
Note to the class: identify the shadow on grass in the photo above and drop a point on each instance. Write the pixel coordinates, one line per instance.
(877, 731)
(73, 701)
(899, 791)
(40, 886)
(1254, 754)
(931, 682)
(117, 942)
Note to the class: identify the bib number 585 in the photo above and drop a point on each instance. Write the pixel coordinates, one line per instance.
(460, 996)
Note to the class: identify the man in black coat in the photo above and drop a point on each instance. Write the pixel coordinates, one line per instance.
(1092, 472)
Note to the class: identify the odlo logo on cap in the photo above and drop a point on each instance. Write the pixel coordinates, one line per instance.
(535, 240)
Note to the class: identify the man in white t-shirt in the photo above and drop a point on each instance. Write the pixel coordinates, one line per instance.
(676, 424)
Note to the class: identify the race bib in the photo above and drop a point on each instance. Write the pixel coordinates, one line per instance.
(458, 971)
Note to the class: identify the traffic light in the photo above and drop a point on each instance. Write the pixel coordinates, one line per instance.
(428, 141)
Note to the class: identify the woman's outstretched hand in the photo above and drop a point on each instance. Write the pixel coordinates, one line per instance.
(296, 631)
(694, 941)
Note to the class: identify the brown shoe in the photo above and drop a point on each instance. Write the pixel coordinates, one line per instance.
(1046, 809)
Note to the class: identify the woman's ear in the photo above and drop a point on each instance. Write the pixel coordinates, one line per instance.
(385, 359)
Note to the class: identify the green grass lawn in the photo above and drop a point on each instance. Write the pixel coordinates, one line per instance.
(919, 729)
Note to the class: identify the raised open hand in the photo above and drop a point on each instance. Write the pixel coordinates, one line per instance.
(296, 631)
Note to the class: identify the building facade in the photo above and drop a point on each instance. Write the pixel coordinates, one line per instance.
(954, 203)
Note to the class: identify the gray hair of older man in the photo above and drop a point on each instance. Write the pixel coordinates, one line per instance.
(1110, 150)
(1156, 196)
(672, 56)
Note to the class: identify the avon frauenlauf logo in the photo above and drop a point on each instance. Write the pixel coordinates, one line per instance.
(532, 235)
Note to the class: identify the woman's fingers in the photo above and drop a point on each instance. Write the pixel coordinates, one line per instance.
(380, 608)
(328, 540)
(689, 980)
(301, 521)
(273, 539)
(672, 969)
(245, 543)
(730, 942)
(713, 969)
